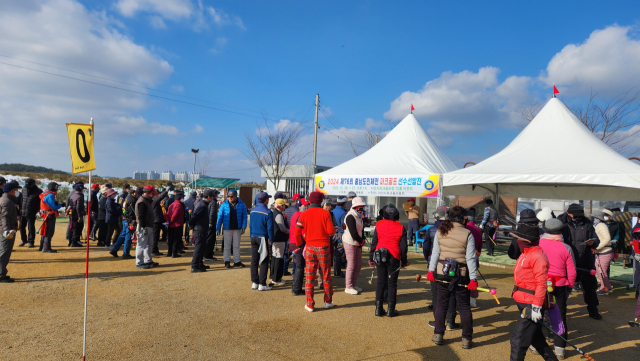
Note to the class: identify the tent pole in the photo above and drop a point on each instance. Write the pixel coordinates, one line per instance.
(498, 202)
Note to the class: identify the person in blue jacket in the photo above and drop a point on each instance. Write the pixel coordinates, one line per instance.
(339, 212)
(261, 232)
(232, 218)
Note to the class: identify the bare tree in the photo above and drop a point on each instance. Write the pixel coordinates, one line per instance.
(205, 162)
(613, 120)
(373, 137)
(276, 147)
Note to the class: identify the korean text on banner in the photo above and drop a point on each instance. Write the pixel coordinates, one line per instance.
(81, 147)
(425, 185)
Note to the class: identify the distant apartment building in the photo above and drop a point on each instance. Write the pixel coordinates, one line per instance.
(181, 176)
(139, 175)
(153, 175)
(168, 175)
(194, 176)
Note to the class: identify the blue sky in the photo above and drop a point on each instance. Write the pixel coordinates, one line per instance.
(465, 66)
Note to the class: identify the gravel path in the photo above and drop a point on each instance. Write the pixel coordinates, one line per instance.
(167, 313)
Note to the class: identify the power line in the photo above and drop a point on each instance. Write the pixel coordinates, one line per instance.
(350, 136)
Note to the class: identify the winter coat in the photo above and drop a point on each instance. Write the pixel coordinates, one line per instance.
(224, 213)
(340, 213)
(530, 273)
(144, 212)
(355, 226)
(156, 205)
(560, 259)
(602, 231)
(261, 222)
(175, 214)
(457, 244)
(213, 214)
(8, 213)
(76, 202)
(114, 211)
(292, 233)
(129, 208)
(289, 212)
(190, 203)
(427, 245)
(316, 225)
(200, 217)
(574, 235)
(102, 208)
(392, 236)
(94, 202)
(30, 201)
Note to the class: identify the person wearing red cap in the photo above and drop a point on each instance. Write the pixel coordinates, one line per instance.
(144, 220)
(318, 229)
(413, 213)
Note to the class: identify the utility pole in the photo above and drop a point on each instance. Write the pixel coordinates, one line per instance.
(315, 134)
(195, 153)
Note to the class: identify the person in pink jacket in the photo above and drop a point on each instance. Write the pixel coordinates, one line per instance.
(562, 273)
(175, 218)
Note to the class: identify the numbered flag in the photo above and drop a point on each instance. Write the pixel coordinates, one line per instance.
(81, 147)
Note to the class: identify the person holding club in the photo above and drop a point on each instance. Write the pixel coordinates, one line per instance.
(389, 253)
(453, 260)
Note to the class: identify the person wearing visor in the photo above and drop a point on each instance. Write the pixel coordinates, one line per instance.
(352, 240)
(232, 218)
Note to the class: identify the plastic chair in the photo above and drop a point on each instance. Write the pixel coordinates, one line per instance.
(421, 240)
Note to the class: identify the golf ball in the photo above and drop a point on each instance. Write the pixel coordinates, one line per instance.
(493, 291)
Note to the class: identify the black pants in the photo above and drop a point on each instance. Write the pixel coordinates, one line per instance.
(462, 296)
(211, 243)
(200, 238)
(561, 295)
(489, 233)
(187, 238)
(174, 240)
(260, 279)
(277, 269)
(157, 228)
(101, 231)
(388, 278)
(6, 247)
(76, 231)
(45, 239)
(589, 285)
(337, 260)
(298, 275)
(528, 333)
(113, 232)
(94, 223)
(28, 224)
(453, 307)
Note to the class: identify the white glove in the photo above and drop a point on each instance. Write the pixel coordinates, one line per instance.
(482, 226)
(536, 313)
(637, 257)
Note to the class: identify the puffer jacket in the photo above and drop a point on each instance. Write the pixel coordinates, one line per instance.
(175, 214)
(102, 208)
(114, 211)
(144, 212)
(530, 273)
(158, 214)
(30, 201)
(224, 212)
(76, 202)
(560, 257)
(8, 213)
(576, 234)
(392, 236)
(602, 231)
(427, 245)
(213, 213)
(200, 217)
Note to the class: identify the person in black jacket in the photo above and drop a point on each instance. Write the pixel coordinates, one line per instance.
(189, 206)
(211, 234)
(94, 210)
(76, 203)
(112, 219)
(128, 224)
(30, 208)
(158, 220)
(200, 224)
(102, 215)
(581, 236)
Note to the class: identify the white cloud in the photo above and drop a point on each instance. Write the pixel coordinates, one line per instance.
(608, 62)
(36, 106)
(169, 9)
(220, 43)
(157, 22)
(370, 123)
(198, 129)
(134, 126)
(464, 102)
(220, 18)
(177, 88)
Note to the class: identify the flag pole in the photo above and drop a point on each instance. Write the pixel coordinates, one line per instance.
(86, 274)
(553, 90)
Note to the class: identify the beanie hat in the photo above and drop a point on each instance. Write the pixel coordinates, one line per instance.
(576, 210)
(139, 191)
(315, 197)
(471, 214)
(108, 185)
(126, 185)
(149, 189)
(552, 226)
(9, 186)
(95, 185)
(2, 180)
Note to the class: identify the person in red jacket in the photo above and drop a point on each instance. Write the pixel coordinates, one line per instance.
(175, 218)
(318, 229)
(530, 277)
(389, 238)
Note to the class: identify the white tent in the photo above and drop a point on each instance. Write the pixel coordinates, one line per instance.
(554, 157)
(406, 150)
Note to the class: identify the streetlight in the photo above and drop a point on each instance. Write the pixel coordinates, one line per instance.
(195, 152)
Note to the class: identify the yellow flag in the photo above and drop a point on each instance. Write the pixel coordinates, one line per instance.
(81, 147)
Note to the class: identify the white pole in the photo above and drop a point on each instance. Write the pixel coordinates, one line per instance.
(315, 134)
(86, 275)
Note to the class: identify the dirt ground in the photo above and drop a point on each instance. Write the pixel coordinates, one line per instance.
(167, 313)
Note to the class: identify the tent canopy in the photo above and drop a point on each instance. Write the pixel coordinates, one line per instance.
(554, 157)
(406, 150)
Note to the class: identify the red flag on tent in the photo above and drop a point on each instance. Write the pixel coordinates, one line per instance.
(412, 108)
(555, 90)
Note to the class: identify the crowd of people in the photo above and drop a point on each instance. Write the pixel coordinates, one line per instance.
(555, 255)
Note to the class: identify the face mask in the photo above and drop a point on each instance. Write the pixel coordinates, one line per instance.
(360, 212)
(606, 218)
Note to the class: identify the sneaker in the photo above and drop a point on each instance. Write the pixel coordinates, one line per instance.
(176, 256)
(602, 293)
(432, 324)
(127, 256)
(239, 264)
(279, 283)
(143, 266)
(22, 244)
(473, 302)
(153, 264)
(533, 350)
(49, 251)
(310, 309)
(286, 273)
(182, 252)
(437, 339)
(114, 253)
(210, 259)
(357, 288)
(254, 286)
(30, 245)
(595, 316)
(453, 326)
(297, 293)
(466, 343)
(350, 291)
(559, 352)
(264, 288)
(328, 305)
(205, 266)
(198, 270)
(157, 253)
(227, 265)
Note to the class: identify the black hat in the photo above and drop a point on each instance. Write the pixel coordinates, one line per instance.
(193, 194)
(215, 192)
(2, 180)
(52, 186)
(178, 194)
(108, 185)
(527, 233)
(528, 216)
(78, 186)
(207, 193)
(391, 213)
(29, 182)
(576, 210)
(278, 195)
(139, 191)
(9, 186)
(126, 185)
(471, 213)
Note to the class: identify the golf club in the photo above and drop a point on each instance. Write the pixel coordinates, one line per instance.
(492, 291)
(485, 282)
